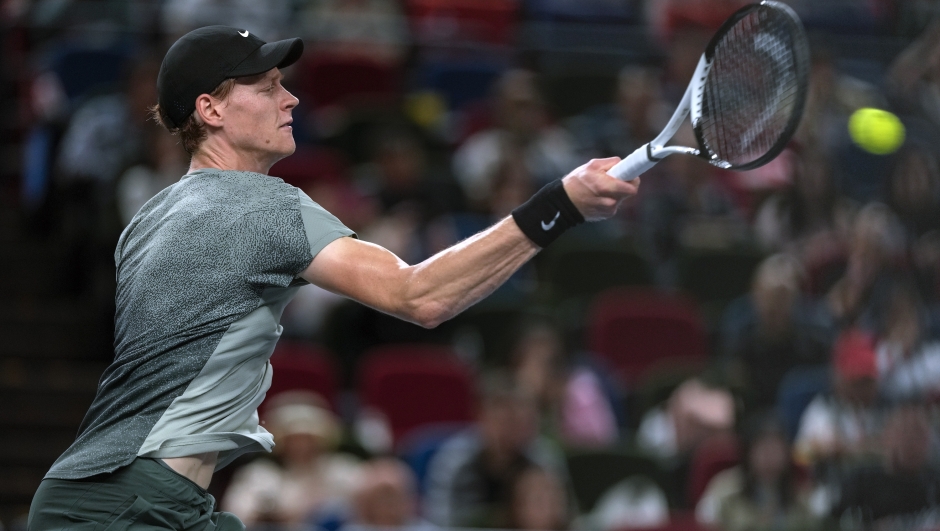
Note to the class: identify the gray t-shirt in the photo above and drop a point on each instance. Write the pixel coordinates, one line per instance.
(204, 271)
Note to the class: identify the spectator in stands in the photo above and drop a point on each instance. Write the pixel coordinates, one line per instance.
(588, 10)
(538, 365)
(804, 219)
(832, 96)
(410, 193)
(901, 491)
(538, 502)
(271, 18)
(908, 349)
(914, 188)
(386, 497)
(400, 172)
(925, 260)
(470, 478)
(772, 329)
(164, 162)
(687, 205)
(574, 401)
(839, 430)
(306, 478)
(874, 243)
(668, 17)
(106, 133)
(370, 30)
(913, 193)
(635, 117)
(683, 29)
(762, 493)
(509, 183)
(522, 127)
(633, 502)
(914, 78)
(693, 413)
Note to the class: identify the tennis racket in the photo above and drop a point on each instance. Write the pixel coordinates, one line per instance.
(746, 97)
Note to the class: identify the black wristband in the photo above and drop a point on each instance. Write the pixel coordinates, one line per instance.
(547, 214)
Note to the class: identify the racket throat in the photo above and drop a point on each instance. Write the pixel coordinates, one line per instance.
(690, 105)
(658, 153)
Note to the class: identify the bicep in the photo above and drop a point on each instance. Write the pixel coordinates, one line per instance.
(360, 270)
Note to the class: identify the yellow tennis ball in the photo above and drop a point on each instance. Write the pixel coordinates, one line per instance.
(876, 131)
(426, 108)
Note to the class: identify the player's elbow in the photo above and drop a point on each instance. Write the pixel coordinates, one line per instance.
(432, 315)
(423, 303)
(428, 314)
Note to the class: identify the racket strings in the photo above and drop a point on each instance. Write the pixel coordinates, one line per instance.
(754, 88)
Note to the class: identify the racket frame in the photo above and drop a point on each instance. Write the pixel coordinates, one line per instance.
(647, 155)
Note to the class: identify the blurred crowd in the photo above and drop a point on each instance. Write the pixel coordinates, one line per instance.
(811, 401)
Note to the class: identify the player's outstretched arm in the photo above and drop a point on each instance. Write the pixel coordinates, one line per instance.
(447, 283)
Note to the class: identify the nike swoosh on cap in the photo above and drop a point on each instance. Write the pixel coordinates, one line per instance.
(243, 34)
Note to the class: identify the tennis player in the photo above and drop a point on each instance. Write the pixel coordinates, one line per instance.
(205, 269)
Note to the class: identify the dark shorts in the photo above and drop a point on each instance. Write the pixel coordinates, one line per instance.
(145, 495)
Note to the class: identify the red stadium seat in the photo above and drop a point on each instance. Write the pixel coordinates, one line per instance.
(416, 385)
(713, 455)
(479, 21)
(301, 366)
(635, 329)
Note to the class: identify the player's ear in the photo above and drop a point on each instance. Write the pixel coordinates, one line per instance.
(209, 110)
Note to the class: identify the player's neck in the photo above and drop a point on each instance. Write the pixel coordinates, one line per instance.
(224, 157)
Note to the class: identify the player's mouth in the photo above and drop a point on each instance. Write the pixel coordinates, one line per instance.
(288, 125)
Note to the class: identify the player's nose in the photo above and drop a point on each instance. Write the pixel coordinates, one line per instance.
(290, 101)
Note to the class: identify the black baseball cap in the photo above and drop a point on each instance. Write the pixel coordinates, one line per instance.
(202, 59)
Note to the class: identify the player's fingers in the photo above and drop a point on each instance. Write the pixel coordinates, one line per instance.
(633, 186)
(613, 187)
(610, 203)
(603, 164)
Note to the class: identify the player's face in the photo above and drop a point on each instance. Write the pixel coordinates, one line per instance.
(258, 117)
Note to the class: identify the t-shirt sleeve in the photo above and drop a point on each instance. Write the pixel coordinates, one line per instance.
(320, 226)
(272, 247)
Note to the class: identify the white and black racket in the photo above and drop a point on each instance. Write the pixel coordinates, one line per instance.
(746, 97)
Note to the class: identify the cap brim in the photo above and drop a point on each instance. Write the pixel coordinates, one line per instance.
(277, 54)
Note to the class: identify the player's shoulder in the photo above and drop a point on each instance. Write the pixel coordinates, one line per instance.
(238, 179)
(246, 191)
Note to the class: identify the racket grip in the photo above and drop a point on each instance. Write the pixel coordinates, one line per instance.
(633, 166)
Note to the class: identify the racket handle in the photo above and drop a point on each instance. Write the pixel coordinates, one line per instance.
(633, 166)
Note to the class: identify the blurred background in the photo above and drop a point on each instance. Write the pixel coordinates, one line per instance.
(736, 351)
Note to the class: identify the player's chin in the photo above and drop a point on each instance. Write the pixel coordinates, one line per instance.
(280, 151)
(287, 146)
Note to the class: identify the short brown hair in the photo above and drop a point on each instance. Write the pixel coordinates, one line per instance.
(192, 131)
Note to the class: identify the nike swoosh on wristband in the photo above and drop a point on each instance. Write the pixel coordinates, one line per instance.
(548, 226)
(243, 34)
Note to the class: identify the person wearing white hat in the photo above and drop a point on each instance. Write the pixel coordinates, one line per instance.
(305, 474)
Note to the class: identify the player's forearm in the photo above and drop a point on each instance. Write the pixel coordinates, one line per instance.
(442, 286)
(454, 279)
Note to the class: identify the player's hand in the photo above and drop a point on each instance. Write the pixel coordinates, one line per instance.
(596, 194)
